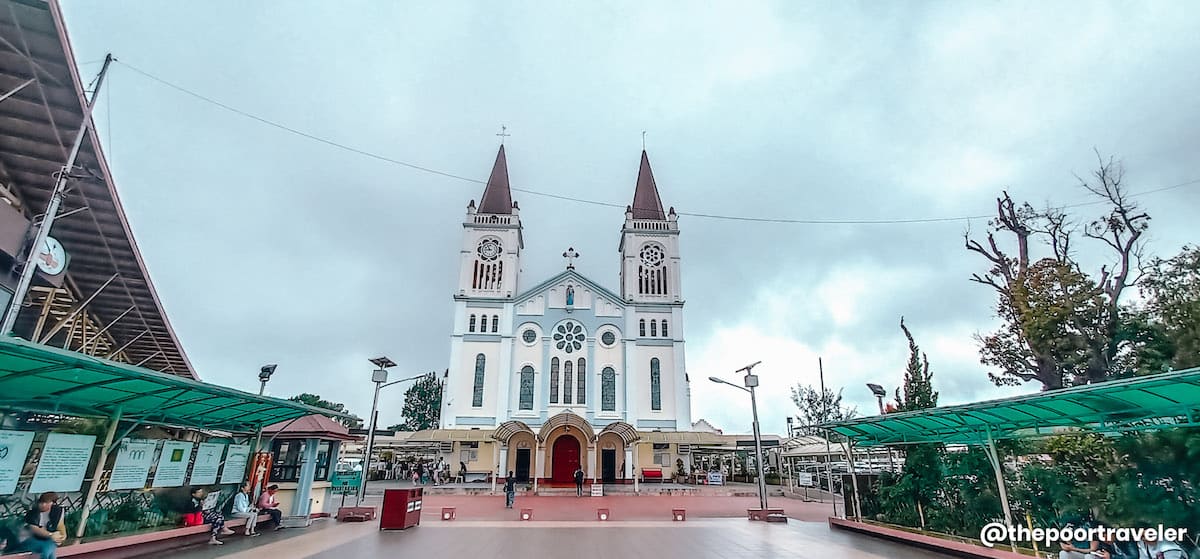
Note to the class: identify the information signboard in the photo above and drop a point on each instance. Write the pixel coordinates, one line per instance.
(235, 463)
(134, 458)
(64, 461)
(14, 450)
(208, 461)
(173, 464)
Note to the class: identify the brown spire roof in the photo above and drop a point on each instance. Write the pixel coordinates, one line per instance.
(646, 203)
(497, 199)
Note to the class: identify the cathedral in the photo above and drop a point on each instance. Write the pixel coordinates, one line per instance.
(548, 376)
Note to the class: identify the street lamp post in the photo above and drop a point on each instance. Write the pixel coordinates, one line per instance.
(379, 377)
(751, 381)
(264, 375)
(879, 393)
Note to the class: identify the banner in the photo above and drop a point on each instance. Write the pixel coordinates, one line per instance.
(172, 464)
(64, 462)
(14, 449)
(235, 464)
(208, 461)
(134, 458)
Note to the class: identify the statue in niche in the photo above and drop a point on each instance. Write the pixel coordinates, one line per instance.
(570, 296)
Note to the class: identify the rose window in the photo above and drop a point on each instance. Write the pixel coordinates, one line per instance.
(489, 249)
(569, 337)
(652, 256)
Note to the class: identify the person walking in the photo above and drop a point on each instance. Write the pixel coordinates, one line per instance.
(579, 481)
(510, 490)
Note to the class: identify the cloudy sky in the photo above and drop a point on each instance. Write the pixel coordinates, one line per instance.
(270, 247)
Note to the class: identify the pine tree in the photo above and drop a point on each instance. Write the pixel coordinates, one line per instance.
(922, 475)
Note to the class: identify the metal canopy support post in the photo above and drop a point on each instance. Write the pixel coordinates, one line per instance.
(98, 472)
(848, 446)
(998, 467)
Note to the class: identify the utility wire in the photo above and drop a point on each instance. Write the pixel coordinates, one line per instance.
(430, 170)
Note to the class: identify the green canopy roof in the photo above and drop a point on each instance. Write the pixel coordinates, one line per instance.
(1135, 404)
(39, 378)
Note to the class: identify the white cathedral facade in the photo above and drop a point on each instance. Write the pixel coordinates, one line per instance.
(566, 372)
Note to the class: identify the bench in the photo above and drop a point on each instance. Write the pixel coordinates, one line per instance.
(655, 474)
(472, 477)
(134, 545)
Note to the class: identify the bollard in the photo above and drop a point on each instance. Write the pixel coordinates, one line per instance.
(602, 514)
(679, 515)
(447, 513)
(526, 514)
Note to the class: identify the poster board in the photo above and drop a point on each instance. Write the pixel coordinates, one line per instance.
(134, 458)
(804, 478)
(208, 461)
(235, 463)
(173, 464)
(64, 462)
(14, 450)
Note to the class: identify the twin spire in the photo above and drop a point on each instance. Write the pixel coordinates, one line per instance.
(497, 195)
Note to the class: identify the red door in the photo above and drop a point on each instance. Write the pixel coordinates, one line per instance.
(565, 455)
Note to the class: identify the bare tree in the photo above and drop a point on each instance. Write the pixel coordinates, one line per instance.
(1061, 325)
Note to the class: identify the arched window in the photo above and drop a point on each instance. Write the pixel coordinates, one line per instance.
(567, 378)
(554, 380)
(581, 393)
(608, 390)
(477, 398)
(471, 327)
(655, 386)
(653, 328)
(652, 270)
(496, 323)
(664, 329)
(641, 326)
(526, 388)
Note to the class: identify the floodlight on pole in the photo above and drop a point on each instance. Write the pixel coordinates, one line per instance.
(751, 381)
(264, 375)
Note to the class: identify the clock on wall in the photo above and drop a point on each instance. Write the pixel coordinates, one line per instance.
(51, 258)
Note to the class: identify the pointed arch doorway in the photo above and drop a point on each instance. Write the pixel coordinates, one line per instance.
(565, 455)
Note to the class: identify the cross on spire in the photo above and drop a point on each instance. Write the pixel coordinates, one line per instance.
(502, 134)
(571, 255)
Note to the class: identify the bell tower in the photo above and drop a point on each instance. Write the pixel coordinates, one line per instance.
(649, 245)
(492, 241)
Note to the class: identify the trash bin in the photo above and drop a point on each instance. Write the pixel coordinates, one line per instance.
(401, 509)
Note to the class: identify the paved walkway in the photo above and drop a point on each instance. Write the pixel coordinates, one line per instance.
(711, 538)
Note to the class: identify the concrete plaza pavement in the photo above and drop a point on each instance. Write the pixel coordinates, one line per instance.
(639, 526)
(726, 538)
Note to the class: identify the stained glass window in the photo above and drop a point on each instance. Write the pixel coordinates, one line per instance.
(582, 391)
(471, 328)
(496, 324)
(477, 399)
(526, 388)
(567, 377)
(529, 336)
(608, 390)
(554, 380)
(655, 385)
(642, 328)
(664, 329)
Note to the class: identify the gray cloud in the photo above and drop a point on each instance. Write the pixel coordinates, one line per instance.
(267, 247)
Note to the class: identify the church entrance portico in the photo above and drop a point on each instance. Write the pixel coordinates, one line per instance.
(564, 459)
